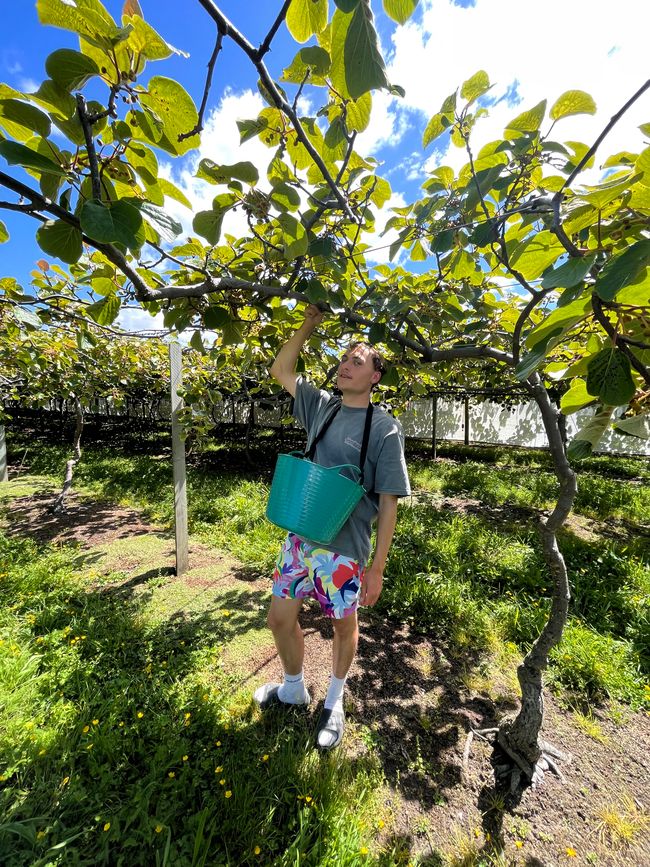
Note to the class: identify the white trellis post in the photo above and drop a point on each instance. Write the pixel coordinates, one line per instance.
(178, 460)
(4, 475)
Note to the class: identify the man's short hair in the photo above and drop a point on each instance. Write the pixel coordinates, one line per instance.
(378, 360)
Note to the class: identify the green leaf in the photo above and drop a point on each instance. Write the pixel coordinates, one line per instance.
(635, 425)
(534, 255)
(622, 270)
(577, 397)
(144, 40)
(216, 317)
(609, 377)
(208, 224)
(31, 320)
(306, 17)
(564, 317)
(61, 240)
(357, 65)
(20, 120)
(119, 222)
(358, 111)
(18, 154)
(572, 102)
(104, 312)
(418, 253)
(196, 342)
(347, 5)
(588, 437)
(572, 272)
(85, 17)
(312, 63)
(70, 69)
(221, 174)
(168, 228)
(475, 86)
(400, 10)
(294, 241)
(285, 198)
(530, 362)
(529, 121)
(438, 124)
(173, 105)
(4, 234)
(169, 189)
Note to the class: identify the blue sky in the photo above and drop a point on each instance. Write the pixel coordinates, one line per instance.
(529, 50)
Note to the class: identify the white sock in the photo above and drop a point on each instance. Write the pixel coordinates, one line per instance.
(334, 697)
(293, 690)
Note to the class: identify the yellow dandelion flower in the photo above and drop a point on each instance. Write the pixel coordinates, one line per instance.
(107, 826)
(228, 794)
(121, 724)
(205, 696)
(380, 824)
(65, 782)
(140, 714)
(518, 844)
(265, 757)
(85, 729)
(185, 758)
(171, 775)
(488, 836)
(95, 722)
(257, 850)
(158, 829)
(571, 853)
(222, 782)
(476, 832)
(363, 850)
(188, 715)
(218, 769)
(42, 753)
(217, 743)
(308, 799)
(40, 835)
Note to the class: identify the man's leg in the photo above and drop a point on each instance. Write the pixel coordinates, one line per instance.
(344, 648)
(282, 620)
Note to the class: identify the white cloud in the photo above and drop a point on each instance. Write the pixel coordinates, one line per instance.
(542, 49)
(131, 319)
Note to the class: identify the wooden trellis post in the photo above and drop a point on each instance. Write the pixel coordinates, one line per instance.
(178, 460)
(434, 425)
(466, 420)
(4, 475)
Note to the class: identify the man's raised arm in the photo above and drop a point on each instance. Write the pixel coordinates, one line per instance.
(283, 369)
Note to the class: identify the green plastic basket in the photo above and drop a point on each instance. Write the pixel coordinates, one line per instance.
(312, 501)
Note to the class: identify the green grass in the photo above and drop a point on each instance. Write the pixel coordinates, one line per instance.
(477, 578)
(118, 723)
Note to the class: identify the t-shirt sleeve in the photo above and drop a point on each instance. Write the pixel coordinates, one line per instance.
(307, 402)
(391, 475)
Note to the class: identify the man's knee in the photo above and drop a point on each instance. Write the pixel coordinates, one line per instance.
(283, 615)
(346, 627)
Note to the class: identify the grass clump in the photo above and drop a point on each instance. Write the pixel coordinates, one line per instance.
(621, 823)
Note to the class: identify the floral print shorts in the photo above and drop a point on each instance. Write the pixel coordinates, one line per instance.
(303, 570)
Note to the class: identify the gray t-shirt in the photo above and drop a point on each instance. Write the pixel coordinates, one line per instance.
(385, 468)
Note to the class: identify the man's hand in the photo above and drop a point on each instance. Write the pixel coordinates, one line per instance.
(371, 585)
(313, 317)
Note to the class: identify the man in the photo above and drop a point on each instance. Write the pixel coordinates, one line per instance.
(336, 575)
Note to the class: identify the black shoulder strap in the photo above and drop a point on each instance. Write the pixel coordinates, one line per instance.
(365, 441)
(321, 433)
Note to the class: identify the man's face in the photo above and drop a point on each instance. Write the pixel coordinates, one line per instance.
(356, 373)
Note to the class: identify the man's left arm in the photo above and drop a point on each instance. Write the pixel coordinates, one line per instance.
(374, 575)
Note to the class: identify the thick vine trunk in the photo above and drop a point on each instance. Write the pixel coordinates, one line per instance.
(59, 504)
(520, 737)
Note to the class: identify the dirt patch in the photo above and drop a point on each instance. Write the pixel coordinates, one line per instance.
(85, 522)
(409, 702)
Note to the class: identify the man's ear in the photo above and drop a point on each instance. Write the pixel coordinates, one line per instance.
(376, 377)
